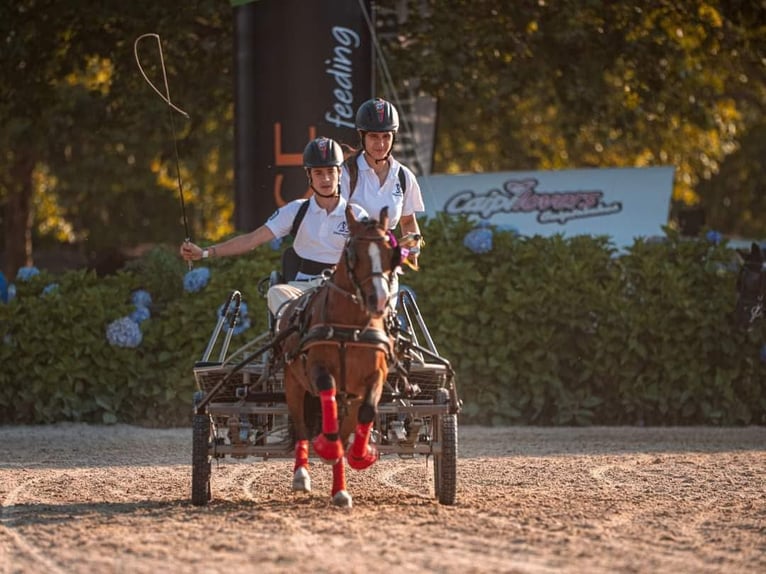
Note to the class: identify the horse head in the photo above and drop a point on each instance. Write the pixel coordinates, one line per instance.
(370, 257)
(751, 287)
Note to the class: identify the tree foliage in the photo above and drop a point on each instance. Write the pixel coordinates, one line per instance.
(89, 153)
(101, 143)
(550, 85)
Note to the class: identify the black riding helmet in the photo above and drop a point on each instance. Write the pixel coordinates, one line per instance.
(322, 152)
(377, 115)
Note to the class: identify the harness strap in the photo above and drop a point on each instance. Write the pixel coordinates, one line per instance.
(350, 336)
(299, 217)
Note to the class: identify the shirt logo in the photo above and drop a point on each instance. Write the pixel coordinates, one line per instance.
(342, 229)
(398, 190)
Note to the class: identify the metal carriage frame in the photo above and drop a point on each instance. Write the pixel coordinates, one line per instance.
(240, 408)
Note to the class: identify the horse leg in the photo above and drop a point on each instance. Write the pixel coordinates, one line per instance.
(362, 454)
(295, 394)
(301, 478)
(340, 496)
(327, 445)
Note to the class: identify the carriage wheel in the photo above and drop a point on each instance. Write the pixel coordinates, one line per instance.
(201, 493)
(445, 464)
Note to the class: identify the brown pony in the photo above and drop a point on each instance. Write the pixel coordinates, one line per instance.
(339, 353)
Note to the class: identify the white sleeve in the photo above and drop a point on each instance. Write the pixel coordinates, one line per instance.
(281, 221)
(413, 198)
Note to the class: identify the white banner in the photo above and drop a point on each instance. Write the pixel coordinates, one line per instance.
(623, 203)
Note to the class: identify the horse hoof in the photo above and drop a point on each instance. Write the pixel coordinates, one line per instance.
(329, 451)
(301, 480)
(362, 462)
(342, 499)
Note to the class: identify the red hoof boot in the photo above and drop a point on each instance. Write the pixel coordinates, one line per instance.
(362, 462)
(330, 451)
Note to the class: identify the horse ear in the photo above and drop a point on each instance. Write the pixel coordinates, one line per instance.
(383, 219)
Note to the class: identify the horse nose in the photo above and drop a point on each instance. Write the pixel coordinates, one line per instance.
(373, 303)
(376, 302)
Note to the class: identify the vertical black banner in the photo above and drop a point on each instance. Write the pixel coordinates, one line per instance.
(303, 68)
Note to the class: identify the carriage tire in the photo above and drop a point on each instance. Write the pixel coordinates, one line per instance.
(201, 493)
(445, 464)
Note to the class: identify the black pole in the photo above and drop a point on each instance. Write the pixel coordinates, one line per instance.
(245, 125)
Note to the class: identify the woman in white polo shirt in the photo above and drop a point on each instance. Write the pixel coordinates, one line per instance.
(372, 178)
(322, 233)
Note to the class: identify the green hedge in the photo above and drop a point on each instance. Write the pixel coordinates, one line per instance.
(540, 331)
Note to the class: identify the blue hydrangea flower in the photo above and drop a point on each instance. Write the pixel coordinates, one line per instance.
(479, 239)
(124, 332)
(242, 309)
(243, 320)
(196, 279)
(140, 314)
(141, 298)
(50, 288)
(276, 243)
(714, 237)
(243, 324)
(26, 273)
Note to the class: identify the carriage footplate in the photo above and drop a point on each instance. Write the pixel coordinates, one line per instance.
(405, 432)
(239, 433)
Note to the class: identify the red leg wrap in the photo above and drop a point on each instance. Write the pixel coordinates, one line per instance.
(301, 454)
(327, 445)
(329, 450)
(362, 453)
(329, 412)
(338, 477)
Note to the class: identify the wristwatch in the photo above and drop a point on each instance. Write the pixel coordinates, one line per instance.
(205, 253)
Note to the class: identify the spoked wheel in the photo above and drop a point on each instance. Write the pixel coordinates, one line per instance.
(201, 493)
(445, 464)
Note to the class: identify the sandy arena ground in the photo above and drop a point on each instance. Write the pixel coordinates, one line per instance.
(76, 498)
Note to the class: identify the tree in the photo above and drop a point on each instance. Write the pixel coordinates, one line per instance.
(83, 130)
(544, 85)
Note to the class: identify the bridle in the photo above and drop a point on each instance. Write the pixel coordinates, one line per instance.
(350, 257)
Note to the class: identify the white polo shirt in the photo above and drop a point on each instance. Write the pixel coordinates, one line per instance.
(373, 197)
(321, 236)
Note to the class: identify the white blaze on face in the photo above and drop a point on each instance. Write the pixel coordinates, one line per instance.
(378, 281)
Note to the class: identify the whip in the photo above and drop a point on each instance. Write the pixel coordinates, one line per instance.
(172, 107)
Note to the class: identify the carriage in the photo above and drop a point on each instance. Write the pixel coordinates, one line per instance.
(240, 407)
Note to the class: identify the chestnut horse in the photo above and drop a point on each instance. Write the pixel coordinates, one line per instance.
(339, 353)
